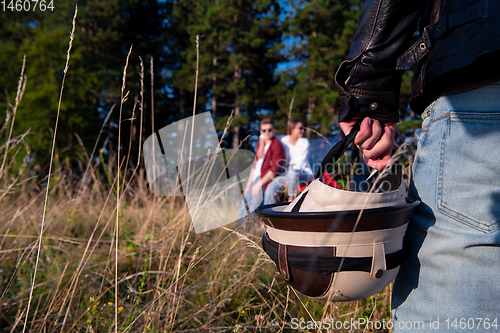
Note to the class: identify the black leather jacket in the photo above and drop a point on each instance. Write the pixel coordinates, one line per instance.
(458, 50)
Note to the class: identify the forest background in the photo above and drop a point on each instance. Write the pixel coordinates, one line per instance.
(255, 57)
(87, 247)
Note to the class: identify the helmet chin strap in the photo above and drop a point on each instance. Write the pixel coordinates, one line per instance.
(374, 178)
(336, 152)
(315, 242)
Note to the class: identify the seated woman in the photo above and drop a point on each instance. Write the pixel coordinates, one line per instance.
(299, 171)
(270, 162)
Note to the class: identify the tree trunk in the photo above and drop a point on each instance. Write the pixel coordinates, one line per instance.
(311, 104)
(214, 86)
(181, 104)
(236, 136)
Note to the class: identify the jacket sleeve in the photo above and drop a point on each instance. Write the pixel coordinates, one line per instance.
(278, 158)
(367, 80)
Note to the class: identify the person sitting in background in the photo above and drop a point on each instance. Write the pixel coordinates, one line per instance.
(299, 171)
(270, 162)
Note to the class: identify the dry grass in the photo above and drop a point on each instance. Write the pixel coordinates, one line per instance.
(66, 267)
(170, 280)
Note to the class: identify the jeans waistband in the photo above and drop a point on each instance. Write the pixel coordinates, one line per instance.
(483, 99)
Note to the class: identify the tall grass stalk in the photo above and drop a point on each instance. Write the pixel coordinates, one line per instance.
(291, 108)
(91, 157)
(123, 98)
(76, 276)
(65, 71)
(19, 96)
(141, 111)
(194, 108)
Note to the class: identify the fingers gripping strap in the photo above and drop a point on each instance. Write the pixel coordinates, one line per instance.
(337, 151)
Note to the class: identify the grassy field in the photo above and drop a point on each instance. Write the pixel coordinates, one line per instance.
(170, 279)
(93, 254)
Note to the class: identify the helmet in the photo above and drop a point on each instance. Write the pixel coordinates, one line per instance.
(339, 244)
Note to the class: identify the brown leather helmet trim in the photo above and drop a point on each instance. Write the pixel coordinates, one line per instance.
(372, 219)
(326, 250)
(313, 285)
(283, 262)
(323, 264)
(327, 290)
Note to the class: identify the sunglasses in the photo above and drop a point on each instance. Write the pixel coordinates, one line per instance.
(301, 128)
(266, 130)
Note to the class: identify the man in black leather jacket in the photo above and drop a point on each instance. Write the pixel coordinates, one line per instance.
(454, 234)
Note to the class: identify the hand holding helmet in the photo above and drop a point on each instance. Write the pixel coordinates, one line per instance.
(339, 244)
(375, 140)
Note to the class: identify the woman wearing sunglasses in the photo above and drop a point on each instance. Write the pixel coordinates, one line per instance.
(299, 171)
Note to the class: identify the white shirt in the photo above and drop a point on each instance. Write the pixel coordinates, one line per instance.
(260, 161)
(297, 155)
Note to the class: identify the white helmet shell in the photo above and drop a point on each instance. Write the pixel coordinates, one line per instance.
(338, 244)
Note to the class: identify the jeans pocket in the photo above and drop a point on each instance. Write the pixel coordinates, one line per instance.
(469, 169)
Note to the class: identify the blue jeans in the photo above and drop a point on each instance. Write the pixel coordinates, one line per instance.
(453, 267)
(252, 201)
(278, 184)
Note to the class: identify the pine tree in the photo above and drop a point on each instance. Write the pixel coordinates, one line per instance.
(322, 31)
(237, 60)
(105, 30)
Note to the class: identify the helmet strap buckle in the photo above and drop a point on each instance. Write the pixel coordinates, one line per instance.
(283, 262)
(378, 263)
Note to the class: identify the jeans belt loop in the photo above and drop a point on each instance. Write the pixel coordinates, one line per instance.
(426, 114)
